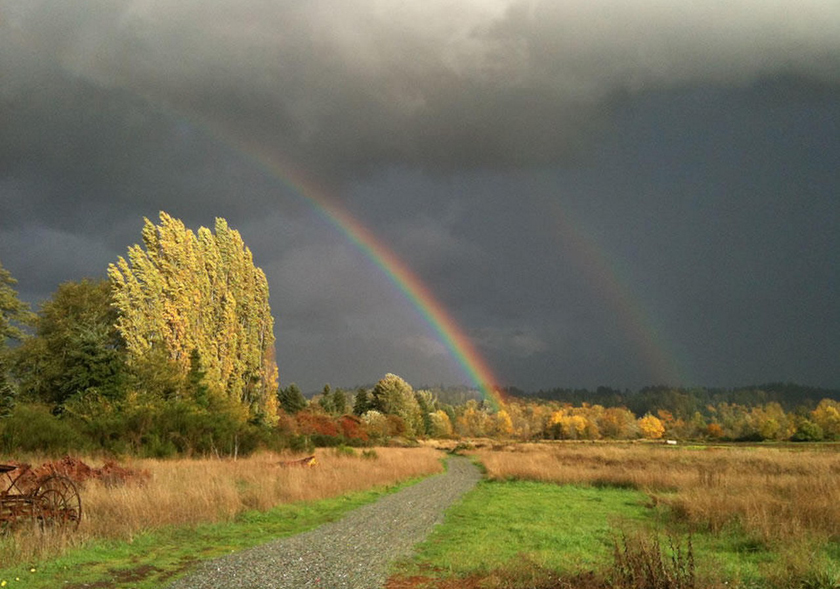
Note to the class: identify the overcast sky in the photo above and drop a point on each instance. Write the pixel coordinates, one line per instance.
(598, 192)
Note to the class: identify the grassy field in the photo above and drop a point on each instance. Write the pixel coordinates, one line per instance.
(548, 516)
(182, 494)
(781, 494)
(552, 515)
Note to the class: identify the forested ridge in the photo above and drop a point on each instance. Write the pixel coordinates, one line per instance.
(174, 354)
(683, 402)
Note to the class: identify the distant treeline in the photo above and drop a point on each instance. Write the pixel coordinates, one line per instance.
(683, 403)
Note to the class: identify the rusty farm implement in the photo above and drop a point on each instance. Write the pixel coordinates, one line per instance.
(50, 501)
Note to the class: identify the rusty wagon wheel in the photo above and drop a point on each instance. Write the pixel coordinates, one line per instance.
(60, 503)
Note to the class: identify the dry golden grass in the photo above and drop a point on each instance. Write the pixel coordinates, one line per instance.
(774, 494)
(192, 491)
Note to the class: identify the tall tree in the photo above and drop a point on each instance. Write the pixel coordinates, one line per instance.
(339, 402)
(76, 346)
(183, 291)
(13, 314)
(361, 404)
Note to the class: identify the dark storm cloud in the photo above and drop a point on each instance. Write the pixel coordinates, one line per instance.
(345, 87)
(695, 144)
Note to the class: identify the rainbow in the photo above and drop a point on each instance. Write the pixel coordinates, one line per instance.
(613, 288)
(594, 261)
(459, 345)
(421, 297)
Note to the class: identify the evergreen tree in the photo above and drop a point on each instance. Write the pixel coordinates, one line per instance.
(184, 291)
(291, 399)
(362, 404)
(326, 400)
(339, 402)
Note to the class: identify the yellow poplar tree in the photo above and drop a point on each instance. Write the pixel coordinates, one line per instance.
(183, 291)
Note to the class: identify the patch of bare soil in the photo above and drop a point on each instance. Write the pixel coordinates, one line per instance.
(120, 576)
(500, 580)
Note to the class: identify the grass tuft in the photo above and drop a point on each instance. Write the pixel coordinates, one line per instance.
(641, 562)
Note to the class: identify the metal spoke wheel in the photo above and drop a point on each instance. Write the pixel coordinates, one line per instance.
(59, 502)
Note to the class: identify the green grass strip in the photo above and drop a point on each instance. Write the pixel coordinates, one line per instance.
(155, 558)
(567, 529)
(564, 528)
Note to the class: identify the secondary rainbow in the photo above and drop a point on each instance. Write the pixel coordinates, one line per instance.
(610, 284)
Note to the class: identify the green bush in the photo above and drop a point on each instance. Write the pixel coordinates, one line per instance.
(807, 431)
(32, 428)
(344, 451)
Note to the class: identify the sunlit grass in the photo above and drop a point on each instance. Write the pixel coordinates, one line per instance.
(775, 495)
(548, 517)
(152, 559)
(188, 492)
(564, 528)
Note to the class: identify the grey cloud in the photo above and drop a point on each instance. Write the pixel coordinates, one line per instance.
(323, 287)
(698, 144)
(48, 257)
(515, 341)
(345, 87)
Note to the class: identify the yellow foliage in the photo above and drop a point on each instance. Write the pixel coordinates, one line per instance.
(202, 292)
(651, 427)
(827, 416)
(502, 423)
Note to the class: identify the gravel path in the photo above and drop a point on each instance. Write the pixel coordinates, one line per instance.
(354, 552)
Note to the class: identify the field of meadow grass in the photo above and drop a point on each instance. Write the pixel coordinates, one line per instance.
(565, 515)
(184, 493)
(584, 515)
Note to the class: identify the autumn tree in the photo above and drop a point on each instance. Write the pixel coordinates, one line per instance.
(394, 396)
(181, 291)
(501, 424)
(827, 417)
(618, 423)
(473, 421)
(651, 427)
(427, 402)
(441, 426)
